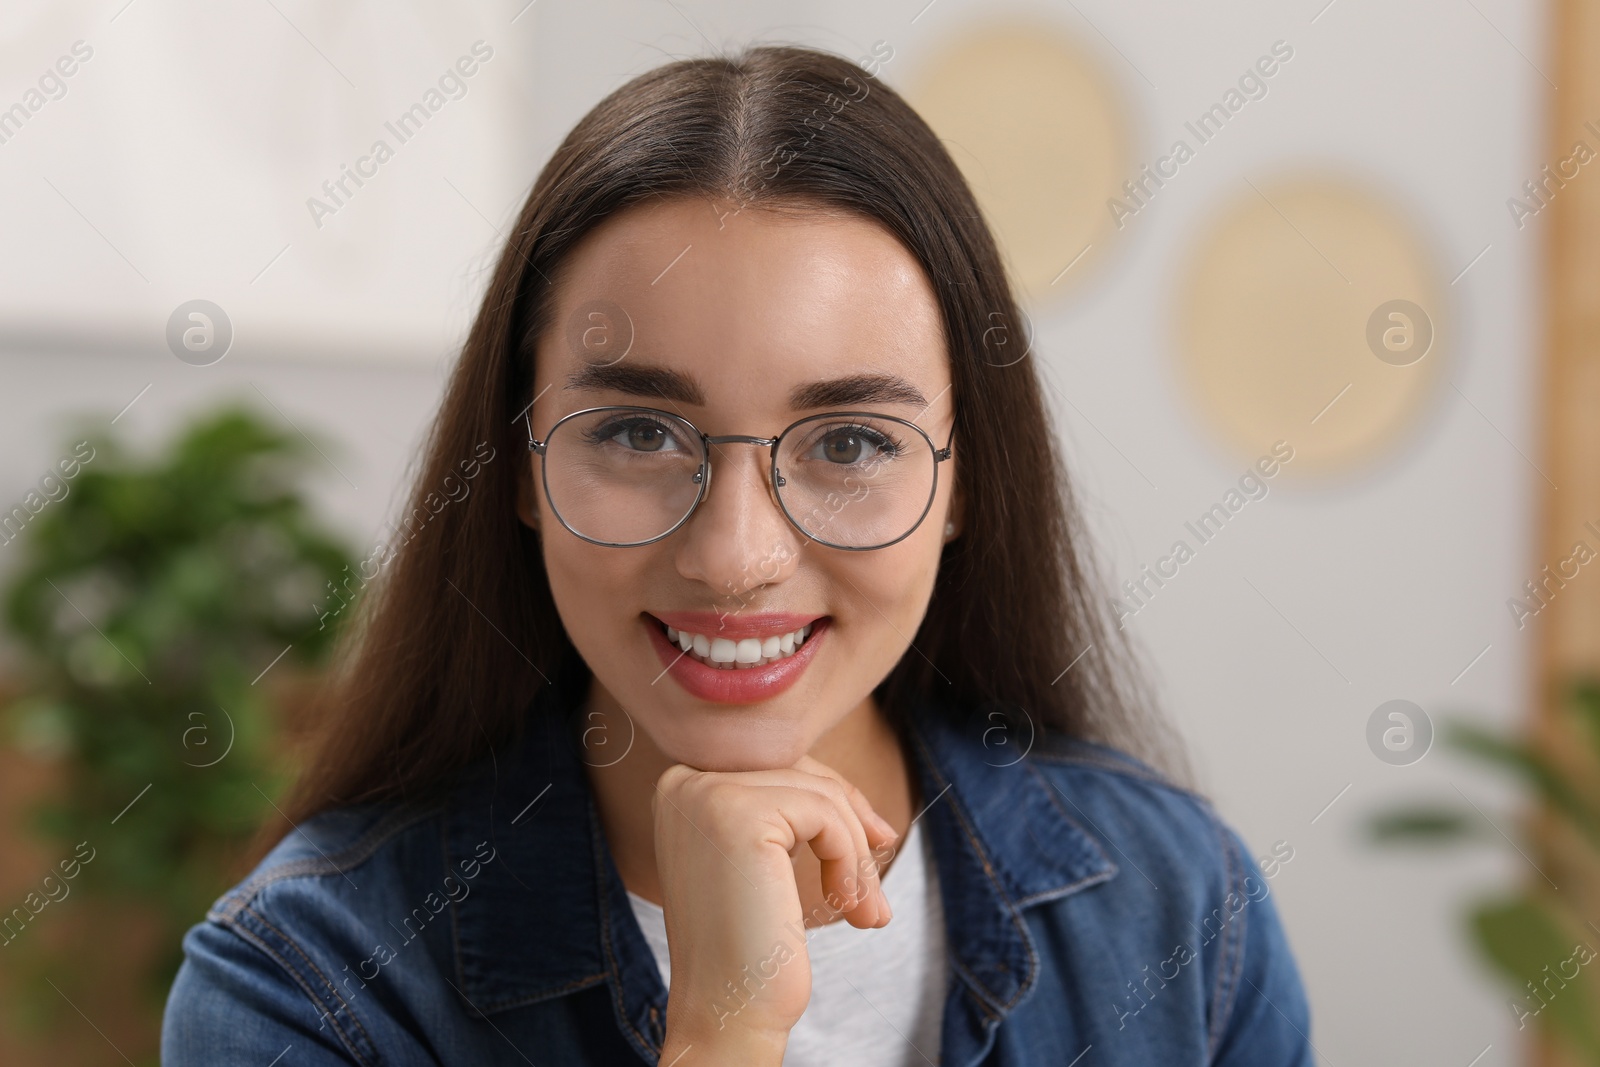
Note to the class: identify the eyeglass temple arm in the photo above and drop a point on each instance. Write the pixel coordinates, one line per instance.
(527, 418)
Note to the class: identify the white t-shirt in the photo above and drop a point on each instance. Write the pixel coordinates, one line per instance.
(877, 996)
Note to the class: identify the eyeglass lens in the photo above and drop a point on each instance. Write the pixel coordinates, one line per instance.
(628, 475)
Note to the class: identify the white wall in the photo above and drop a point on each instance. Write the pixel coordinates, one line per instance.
(179, 162)
(1389, 582)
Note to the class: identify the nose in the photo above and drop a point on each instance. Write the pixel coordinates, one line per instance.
(738, 539)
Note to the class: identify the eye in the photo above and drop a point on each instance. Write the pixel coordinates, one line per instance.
(855, 444)
(635, 433)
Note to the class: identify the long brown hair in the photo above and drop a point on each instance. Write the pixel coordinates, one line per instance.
(459, 630)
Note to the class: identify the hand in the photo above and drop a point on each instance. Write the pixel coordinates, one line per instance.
(724, 844)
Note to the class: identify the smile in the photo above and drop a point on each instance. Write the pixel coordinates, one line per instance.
(743, 654)
(756, 661)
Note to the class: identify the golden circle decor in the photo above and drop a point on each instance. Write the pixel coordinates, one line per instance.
(1311, 314)
(1041, 137)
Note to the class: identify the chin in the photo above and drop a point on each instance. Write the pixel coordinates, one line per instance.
(751, 745)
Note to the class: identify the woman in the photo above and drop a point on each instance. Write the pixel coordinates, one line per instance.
(763, 608)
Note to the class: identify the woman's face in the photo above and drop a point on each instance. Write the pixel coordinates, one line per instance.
(720, 316)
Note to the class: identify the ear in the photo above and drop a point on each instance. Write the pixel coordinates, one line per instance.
(526, 510)
(957, 511)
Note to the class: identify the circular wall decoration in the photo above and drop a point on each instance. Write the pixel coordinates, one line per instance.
(1310, 314)
(1040, 136)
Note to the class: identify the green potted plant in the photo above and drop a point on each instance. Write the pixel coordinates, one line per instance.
(154, 605)
(1538, 939)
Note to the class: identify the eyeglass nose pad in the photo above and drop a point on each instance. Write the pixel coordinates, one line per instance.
(704, 475)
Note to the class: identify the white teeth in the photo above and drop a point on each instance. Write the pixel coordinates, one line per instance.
(747, 652)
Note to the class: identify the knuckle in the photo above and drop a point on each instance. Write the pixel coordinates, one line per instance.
(720, 805)
(673, 777)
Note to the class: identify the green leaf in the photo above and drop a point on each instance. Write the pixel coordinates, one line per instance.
(143, 605)
(1424, 825)
(1533, 768)
(1585, 696)
(1545, 964)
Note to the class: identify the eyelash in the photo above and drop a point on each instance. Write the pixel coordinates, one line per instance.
(616, 426)
(883, 442)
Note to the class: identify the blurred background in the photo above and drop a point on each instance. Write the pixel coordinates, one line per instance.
(1358, 237)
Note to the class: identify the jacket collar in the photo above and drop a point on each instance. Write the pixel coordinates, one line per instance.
(548, 915)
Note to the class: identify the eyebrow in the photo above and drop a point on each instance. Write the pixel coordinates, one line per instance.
(663, 383)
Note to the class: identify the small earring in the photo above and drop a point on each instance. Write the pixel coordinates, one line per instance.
(949, 529)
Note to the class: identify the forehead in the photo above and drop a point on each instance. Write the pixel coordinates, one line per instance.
(751, 303)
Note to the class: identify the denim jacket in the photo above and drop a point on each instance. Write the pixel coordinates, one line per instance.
(1095, 915)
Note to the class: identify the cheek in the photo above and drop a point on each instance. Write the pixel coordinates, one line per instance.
(595, 589)
(889, 589)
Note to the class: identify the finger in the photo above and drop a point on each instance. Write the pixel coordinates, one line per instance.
(878, 828)
(768, 826)
(882, 837)
(860, 883)
(848, 884)
(871, 908)
(825, 825)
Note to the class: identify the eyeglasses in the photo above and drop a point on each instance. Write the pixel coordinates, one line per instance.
(624, 476)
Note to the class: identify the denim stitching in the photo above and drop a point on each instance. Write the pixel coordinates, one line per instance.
(1128, 770)
(1049, 790)
(1231, 963)
(494, 1006)
(311, 965)
(1112, 870)
(260, 942)
(490, 1007)
(1082, 883)
(614, 972)
(1016, 916)
(977, 989)
(351, 857)
(455, 924)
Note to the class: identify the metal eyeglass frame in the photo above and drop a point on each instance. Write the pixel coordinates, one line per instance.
(702, 477)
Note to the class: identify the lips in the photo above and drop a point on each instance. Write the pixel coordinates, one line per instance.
(735, 626)
(749, 685)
